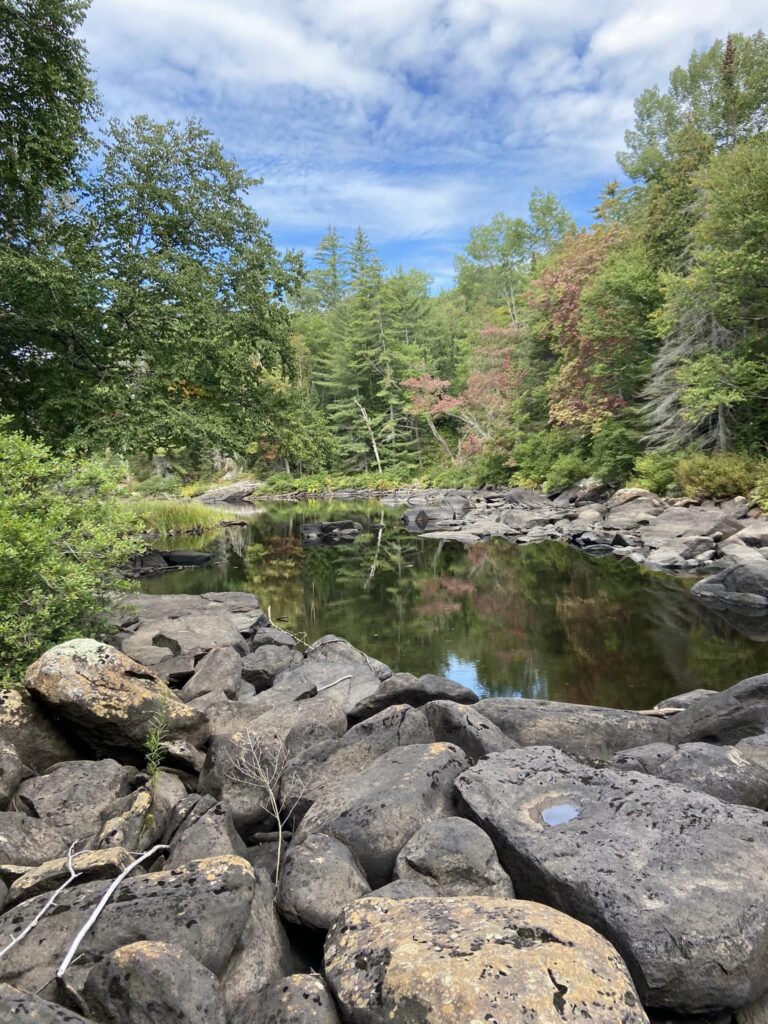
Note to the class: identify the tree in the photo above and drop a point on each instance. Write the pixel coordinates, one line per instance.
(327, 282)
(159, 316)
(46, 98)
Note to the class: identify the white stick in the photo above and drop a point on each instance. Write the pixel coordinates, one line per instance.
(100, 906)
(47, 905)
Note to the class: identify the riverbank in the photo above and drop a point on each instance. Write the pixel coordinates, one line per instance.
(292, 814)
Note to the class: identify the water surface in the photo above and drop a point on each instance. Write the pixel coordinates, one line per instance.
(541, 620)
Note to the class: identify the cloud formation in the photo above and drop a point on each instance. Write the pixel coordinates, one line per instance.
(414, 118)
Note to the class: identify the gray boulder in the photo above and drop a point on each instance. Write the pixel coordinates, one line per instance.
(151, 983)
(403, 688)
(578, 729)
(347, 681)
(319, 877)
(272, 636)
(206, 831)
(23, 723)
(684, 700)
(650, 864)
(26, 1008)
(335, 648)
(453, 857)
(466, 727)
(28, 841)
(238, 491)
(110, 700)
(261, 666)
(377, 811)
(688, 522)
(89, 865)
(743, 584)
(725, 717)
(74, 797)
(297, 999)
(202, 907)
(218, 672)
(755, 749)
(473, 958)
(11, 771)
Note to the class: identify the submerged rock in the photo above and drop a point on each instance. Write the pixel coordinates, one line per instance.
(677, 880)
(472, 958)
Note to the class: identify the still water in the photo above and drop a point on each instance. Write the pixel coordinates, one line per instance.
(542, 620)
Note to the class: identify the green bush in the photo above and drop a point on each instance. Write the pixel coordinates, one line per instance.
(63, 536)
(156, 486)
(655, 471)
(723, 475)
(549, 460)
(614, 448)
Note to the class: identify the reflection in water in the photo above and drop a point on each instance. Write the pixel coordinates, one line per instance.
(542, 621)
(560, 814)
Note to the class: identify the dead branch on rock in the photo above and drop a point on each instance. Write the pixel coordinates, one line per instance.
(48, 905)
(262, 762)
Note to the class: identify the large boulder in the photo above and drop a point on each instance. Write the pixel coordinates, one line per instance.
(36, 740)
(202, 908)
(403, 688)
(720, 771)
(110, 700)
(466, 959)
(27, 841)
(297, 999)
(207, 830)
(88, 865)
(27, 1008)
(219, 671)
(741, 586)
(377, 811)
(74, 797)
(453, 857)
(466, 727)
(688, 522)
(725, 717)
(148, 982)
(262, 666)
(238, 491)
(346, 680)
(11, 772)
(677, 880)
(335, 648)
(319, 877)
(578, 729)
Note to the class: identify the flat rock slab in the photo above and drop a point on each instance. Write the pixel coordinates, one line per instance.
(677, 880)
(578, 729)
(202, 908)
(377, 811)
(474, 959)
(109, 699)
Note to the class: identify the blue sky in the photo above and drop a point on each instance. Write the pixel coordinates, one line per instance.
(413, 118)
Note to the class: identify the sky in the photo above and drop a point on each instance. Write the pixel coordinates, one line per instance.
(414, 119)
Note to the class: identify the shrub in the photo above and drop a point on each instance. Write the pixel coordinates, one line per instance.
(63, 537)
(655, 471)
(723, 475)
(157, 486)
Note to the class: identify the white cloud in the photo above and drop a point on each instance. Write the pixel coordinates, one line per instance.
(415, 118)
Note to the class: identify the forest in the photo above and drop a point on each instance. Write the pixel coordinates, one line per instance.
(147, 318)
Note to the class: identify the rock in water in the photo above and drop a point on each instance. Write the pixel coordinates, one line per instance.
(470, 958)
(677, 880)
(153, 981)
(376, 812)
(110, 699)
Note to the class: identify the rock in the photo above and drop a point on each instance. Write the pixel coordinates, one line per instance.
(89, 865)
(271, 636)
(755, 533)
(138, 821)
(201, 908)
(688, 522)
(193, 634)
(725, 717)
(238, 491)
(755, 749)
(297, 999)
(403, 889)
(262, 955)
(319, 877)
(460, 536)
(11, 770)
(454, 857)
(403, 688)
(377, 811)
(235, 762)
(466, 727)
(37, 741)
(634, 513)
(345, 680)
(148, 982)
(722, 772)
(739, 584)
(578, 729)
(208, 831)
(262, 665)
(244, 608)
(28, 841)
(319, 768)
(651, 864)
(678, 550)
(684, 700)
(109, 699)
(218, 672)
(26, 1008)
(75, 796)
(334, 648)
(588, 489)
(473, 958)
(757, 1013)
(186, 558)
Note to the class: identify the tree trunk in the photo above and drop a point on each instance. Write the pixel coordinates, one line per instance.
(371, 435)
(438, 437)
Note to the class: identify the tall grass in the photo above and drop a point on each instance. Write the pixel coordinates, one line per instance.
(168, 517)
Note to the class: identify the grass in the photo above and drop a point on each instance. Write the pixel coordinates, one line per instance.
(169, 517)
(316, 483)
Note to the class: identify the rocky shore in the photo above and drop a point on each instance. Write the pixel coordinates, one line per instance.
(327, 841)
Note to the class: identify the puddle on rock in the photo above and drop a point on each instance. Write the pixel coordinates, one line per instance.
(559, 814)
